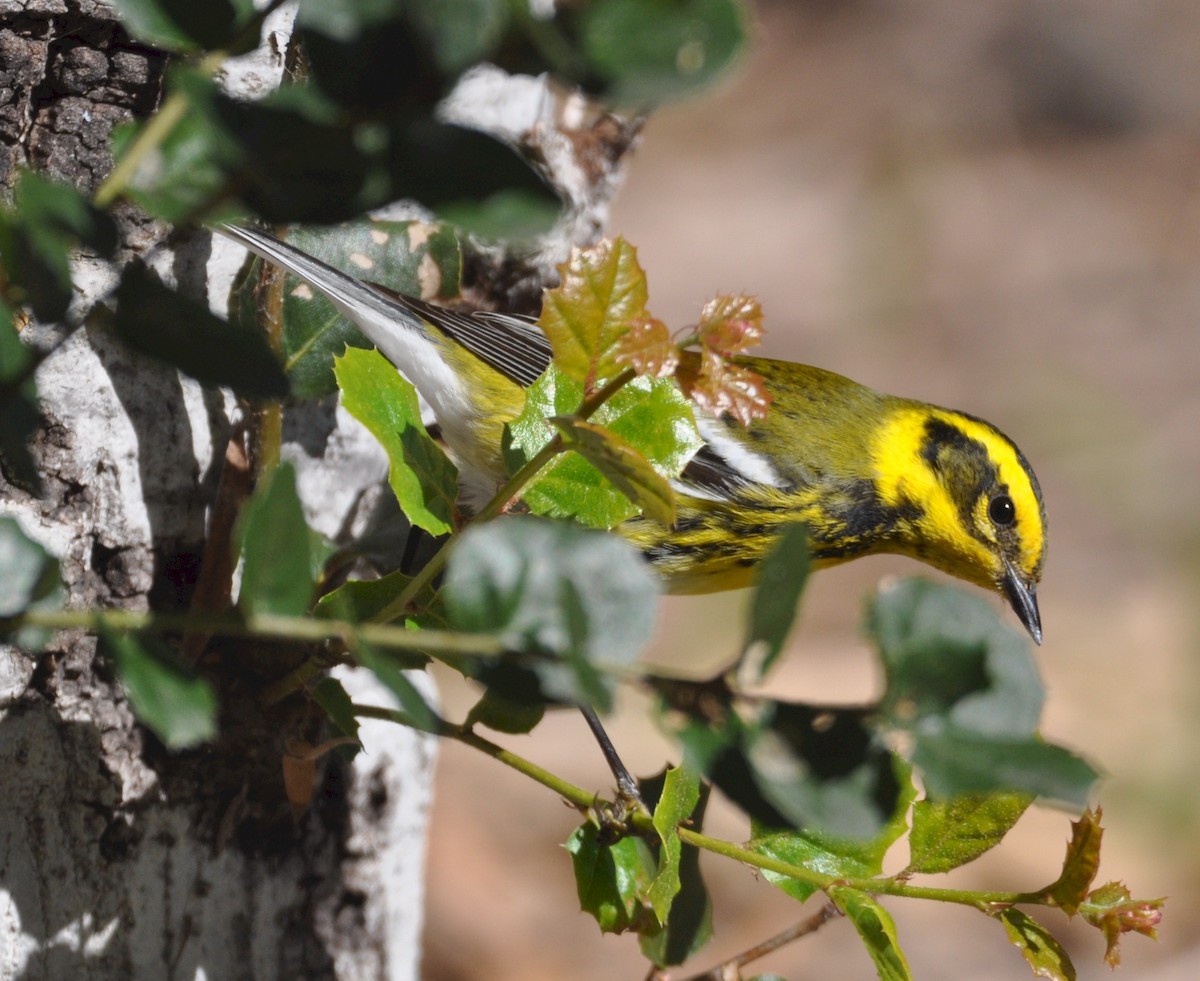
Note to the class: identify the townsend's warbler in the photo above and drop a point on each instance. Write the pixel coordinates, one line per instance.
(865, 472)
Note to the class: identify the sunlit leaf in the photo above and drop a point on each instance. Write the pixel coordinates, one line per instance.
(950, 833)
(730, 325)
(876, 929)
(1080, 865)
(720, 387)
(423, 479)
(612, 880)
(647, 348)
(1114, 911)
(1045, 955)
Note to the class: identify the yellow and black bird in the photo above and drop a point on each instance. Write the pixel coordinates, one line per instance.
(866, 472)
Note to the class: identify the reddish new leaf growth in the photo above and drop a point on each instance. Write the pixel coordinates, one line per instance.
(1113, 911)
(647, 348)
(720, 387)
(730, 324)
(1081, 863)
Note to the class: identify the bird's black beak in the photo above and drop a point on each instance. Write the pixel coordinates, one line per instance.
(1023, 599)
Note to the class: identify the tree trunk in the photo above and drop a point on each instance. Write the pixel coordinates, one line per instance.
(119, 859)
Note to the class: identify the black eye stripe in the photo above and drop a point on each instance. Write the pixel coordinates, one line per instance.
(1002, 511)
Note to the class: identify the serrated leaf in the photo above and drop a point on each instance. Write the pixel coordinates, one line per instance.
(29, 579)
(948, 834)
(602, 292)
(276, 549)
(360, 600)
(166, 325)
(184, 25)
(423, 479)
(876, 929)
(331, 695)
(720, 387)
(647, 348)
(573, 598)
(623, 466)
(180, 709)
(612, 879)
(827, 851)
(680, 794)
(649, 415)
(1044, 954)
(1080, 865)
(955, 761)
(780, 582)
(689, 924)
(731, 325)
(411, 257)
(1114, 911)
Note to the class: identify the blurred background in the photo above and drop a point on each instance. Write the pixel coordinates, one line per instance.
(994, 206)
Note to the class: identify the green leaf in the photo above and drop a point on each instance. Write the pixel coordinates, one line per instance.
(574, 599)
(29, 580)
(173, 328)
(1045, 954)
(337, 705)
(827, 851)
(185, 25)
(180, 709)
(496, 711)
(955, 761)
(950, 833)
(601, 294)
(877, 930)
(360, 600)
(648, 50)
(424, 481)
(781, 579)
(680, 794)
(416, 258)
(277, 567)
(947, 653)
(623, 466)
(612, 880)
(1081, 864)
(648, 415)
(391, 668)
(36, 238)
(688, 925)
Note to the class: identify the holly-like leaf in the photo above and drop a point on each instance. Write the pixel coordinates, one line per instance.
(647, 348)
(277, 563)
(950, 833)
(335, 701)
(877, 930)
(423, 479)
(1045, 955)
(1080, 865)
(176, 706)
(623, 466)
(719, 386)
(680, 794)
(183, 332)
(781, 579)
(612, 880)
(570, 599)
(688, 926)
(828, 851)
(602, 293)
(1114, 911)
(730, 325)
(648, 415)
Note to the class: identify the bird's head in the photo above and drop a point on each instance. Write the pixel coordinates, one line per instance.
(975, 505)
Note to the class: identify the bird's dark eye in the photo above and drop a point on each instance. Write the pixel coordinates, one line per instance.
(1001, 510)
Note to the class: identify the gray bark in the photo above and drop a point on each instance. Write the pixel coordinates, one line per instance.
(119, 859)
